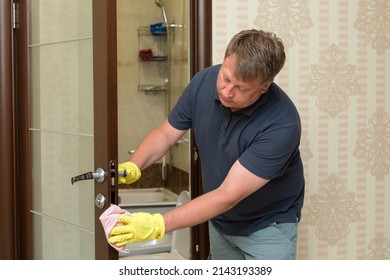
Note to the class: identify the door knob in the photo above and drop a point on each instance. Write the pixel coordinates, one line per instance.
(99, 175)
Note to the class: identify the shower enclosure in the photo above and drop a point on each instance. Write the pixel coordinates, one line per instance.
(141, 109)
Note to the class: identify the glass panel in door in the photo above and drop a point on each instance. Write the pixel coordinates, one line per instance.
(62, 128)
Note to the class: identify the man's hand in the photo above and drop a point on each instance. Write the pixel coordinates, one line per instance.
(131, 170)
(137, 227)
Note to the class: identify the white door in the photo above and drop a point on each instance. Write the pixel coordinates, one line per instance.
(66, 95)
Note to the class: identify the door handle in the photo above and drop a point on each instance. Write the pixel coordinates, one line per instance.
(99, 175)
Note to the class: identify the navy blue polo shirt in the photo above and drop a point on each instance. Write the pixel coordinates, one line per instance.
(264, 137)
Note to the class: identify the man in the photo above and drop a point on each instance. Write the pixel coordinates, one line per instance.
(247, 131)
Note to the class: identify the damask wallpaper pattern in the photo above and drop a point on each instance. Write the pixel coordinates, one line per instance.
(338, 74)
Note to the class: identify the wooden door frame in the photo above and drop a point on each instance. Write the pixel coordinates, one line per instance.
(8, 235)
(23, 187)
(15, 167)
(201, 57)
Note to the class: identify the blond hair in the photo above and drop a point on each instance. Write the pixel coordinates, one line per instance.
(259, 54)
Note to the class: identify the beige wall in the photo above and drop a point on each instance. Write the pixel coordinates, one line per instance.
(337, 73)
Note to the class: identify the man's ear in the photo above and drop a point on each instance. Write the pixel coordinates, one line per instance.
(265, 87)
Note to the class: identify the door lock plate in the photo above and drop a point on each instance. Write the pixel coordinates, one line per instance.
(100, 201)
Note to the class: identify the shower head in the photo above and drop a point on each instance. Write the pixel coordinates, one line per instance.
(160, 3)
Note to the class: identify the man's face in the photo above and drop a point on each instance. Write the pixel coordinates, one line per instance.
(234, 93)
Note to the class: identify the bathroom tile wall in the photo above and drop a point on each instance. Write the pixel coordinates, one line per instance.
(139, 112)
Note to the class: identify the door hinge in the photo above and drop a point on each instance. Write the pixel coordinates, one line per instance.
(15, 15)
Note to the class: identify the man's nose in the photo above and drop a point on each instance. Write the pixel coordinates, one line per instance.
(228, 91)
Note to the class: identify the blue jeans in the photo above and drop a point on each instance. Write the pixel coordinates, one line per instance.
(278, 241)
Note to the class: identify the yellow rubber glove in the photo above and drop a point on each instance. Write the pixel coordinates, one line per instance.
(137, 227)
(132, 170)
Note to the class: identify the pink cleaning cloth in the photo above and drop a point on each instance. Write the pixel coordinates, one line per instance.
(109, 219)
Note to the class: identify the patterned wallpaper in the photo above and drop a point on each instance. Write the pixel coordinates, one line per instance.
(337, 72)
